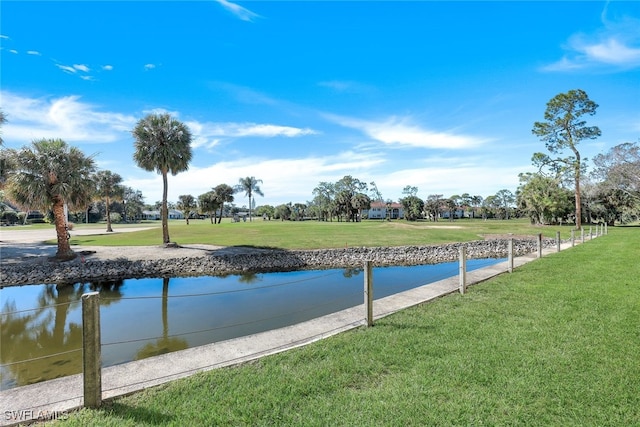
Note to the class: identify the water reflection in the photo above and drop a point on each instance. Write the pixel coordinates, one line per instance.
(41, 320)
(29, 337)
(164, 344)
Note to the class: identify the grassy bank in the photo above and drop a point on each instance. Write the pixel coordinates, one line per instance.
(314, 234)
(554, 343)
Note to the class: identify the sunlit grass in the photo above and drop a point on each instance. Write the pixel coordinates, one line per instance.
(314, 234)
(554, 343)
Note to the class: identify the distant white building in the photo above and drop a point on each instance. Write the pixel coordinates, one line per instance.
(155, 215)
(380, 210)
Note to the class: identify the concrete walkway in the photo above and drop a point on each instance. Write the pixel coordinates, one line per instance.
(57, 397)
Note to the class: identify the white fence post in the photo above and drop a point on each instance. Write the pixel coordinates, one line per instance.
(368, 292)
(463, 270)
(91, 351)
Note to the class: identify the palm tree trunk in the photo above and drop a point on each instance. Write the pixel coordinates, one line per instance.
(165, 210)
(220, 217)
(109, 229)
(64, 248)
(165, 308)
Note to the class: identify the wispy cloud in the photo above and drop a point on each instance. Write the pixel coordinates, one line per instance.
(77, 69)
(34, 52)
(107, 67)
(242, 13)
(64, 117)
(2, 36)
(284, 179)
(615, 46)
(345, 86)
(149, 66)
(211, 134)
(401, 132)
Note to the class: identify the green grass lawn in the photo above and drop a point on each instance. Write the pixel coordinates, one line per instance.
(314, 234)
(556, 343)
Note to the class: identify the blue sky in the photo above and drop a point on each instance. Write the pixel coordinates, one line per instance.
(437, 95)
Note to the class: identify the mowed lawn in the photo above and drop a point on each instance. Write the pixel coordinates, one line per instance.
(556, 343)
(315, 234)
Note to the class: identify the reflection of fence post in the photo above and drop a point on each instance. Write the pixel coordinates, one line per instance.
(368, 292)
(573, 237)
(463, 270)
(539, 245)
(91, 355)
(510, 255)
(558, 240)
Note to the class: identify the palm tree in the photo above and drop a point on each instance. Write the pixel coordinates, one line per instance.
(162, 144)
(249, 185)
(108, 187)
(48, 175)
(208, 204)
(186, 204)
(223, 193)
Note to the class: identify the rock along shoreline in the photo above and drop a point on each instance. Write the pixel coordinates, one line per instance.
(255, 261)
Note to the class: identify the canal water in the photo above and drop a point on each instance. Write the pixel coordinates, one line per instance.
(41, 325)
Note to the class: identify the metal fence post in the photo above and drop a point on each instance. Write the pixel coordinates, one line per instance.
(463, 270)
(558, 240)
(582, 234)
(91, 351)
(368, 292)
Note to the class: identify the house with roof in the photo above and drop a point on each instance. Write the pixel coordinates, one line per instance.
(155, 215)
(382, 210)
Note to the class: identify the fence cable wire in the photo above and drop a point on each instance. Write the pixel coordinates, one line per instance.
(40, 357)
(306, 309)
(7, 313)
(224, 292)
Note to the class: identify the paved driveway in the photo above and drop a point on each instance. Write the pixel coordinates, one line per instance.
(21, 243)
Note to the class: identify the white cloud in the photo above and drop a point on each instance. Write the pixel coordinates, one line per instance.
(67, 69)
(64, 117)
(242, 13)
(345, 86)
(284, 180)
(293, 180)
(81, 67)
(401, 132)
(149, 66)
(13, 51)
(107, 67)
(615, 45)
(210, 134)
(34, 52)
(612, 51)
(2, 36)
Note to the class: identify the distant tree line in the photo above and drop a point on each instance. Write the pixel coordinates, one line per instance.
(61, 181)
